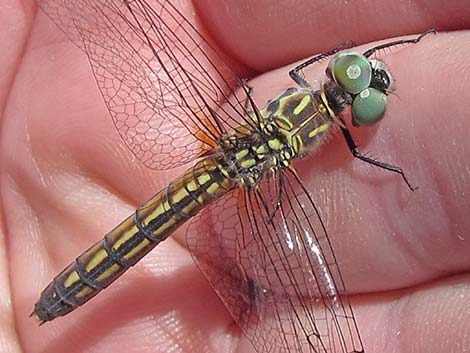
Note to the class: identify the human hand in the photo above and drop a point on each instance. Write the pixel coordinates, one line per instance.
(67, 178)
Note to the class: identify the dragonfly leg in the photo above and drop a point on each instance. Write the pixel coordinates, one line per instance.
(371, 51)
(296, 73)
(249, 90)
(249, 105)
(279, 192)
(357, 154)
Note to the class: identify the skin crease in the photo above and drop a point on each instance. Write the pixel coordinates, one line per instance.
(67, 179)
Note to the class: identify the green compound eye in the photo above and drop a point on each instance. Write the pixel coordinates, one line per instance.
(369, 107)
(351, 70)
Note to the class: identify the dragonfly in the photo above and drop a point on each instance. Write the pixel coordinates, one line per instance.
(255, 230)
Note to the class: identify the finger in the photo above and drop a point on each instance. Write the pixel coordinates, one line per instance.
(267, 34)
(429, 318)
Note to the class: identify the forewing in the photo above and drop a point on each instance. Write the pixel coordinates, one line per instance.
(163, 84)
(267, 254)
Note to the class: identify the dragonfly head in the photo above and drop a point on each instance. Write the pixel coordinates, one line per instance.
(368, 83)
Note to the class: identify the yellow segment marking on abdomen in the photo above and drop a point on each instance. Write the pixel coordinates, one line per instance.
(128, 234)
(108, 272)
(136, 249)
(98, 258)
(72, 278)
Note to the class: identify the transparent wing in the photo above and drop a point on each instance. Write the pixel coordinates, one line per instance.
(163, 84)
(267, 254)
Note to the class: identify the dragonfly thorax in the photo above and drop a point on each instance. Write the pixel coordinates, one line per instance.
(303, 117)
(292, 125)
(251, 157)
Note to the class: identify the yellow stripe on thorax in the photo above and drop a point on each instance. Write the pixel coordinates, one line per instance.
(302, 104)
(319, 129)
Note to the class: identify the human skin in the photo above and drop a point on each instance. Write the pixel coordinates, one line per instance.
(67, 179)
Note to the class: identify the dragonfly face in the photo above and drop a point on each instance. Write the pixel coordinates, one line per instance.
(255, 230)
(367, 81)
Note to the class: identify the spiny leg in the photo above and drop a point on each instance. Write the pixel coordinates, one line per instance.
(248, 90)
(279, 191)
(371, 51)
(249, 105)
(357, 154)
(296, 74)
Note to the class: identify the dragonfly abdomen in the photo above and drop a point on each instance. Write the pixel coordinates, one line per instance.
(126, 244)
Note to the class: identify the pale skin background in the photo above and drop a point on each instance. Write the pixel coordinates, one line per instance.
(67, 178)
